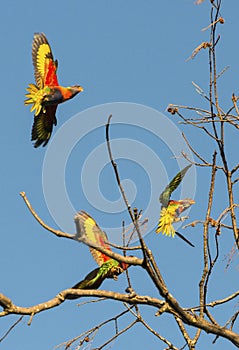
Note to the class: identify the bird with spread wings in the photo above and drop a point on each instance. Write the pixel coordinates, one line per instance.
(46, 94)
(172, 209)
(108, 267)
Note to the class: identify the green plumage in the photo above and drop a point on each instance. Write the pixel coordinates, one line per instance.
(42, 126)
(166, 194)
(110, 269)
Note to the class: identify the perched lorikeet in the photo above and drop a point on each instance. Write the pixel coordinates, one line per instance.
(171, 209)
(109, 268)
(46, 94)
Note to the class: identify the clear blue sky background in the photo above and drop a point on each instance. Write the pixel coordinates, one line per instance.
(119, 52)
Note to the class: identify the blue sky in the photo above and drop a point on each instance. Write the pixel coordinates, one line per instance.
(132, 52)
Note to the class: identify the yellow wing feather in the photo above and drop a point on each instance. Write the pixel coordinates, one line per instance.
(44, 65)
(87, 225)
(166, 220)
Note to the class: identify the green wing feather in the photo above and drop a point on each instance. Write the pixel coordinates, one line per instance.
(92, 281)
(109, 269)
(42, 126)
(166, 194)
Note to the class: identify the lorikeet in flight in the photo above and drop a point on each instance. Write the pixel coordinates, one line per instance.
(46, 94)
(171, 209)
(109, 268)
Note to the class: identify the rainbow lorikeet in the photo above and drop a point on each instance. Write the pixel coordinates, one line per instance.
(109, 268)
(46, 94)
(171, 209)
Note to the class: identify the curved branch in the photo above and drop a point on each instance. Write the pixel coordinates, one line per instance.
(192, 320)
(58, 233)
(84, 240)
(132, 260)
(11, 308)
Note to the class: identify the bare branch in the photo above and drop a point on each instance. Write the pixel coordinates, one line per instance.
(151, 330)
(87, 334)
(117, 335)
(62, 296)
(194, 152)
(203, 283)
(84, 240)
(11, 328)
(114, 165)
(48, 228)
(132, 260)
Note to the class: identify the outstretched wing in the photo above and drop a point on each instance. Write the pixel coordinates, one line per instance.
(43, 124)
(44, 65)
(165, 195)
(86, 225)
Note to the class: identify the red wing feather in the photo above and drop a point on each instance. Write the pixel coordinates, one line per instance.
(44, 65)
(89, 227)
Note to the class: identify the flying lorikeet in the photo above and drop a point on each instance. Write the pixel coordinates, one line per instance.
(46, 94)
(171, 209)
(109, 268)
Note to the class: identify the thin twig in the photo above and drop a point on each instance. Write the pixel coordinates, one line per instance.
(48, 228)
(216, 302)
(163, 339)
(124, 253)
(91, 301)
(128, 260)
(146, 325)
(202, 285)
(197, 126)
(89, 332)
(116, 335)
(194, 152)
(114, 165)
(136, 247)
(11, 328)
(189, 341)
